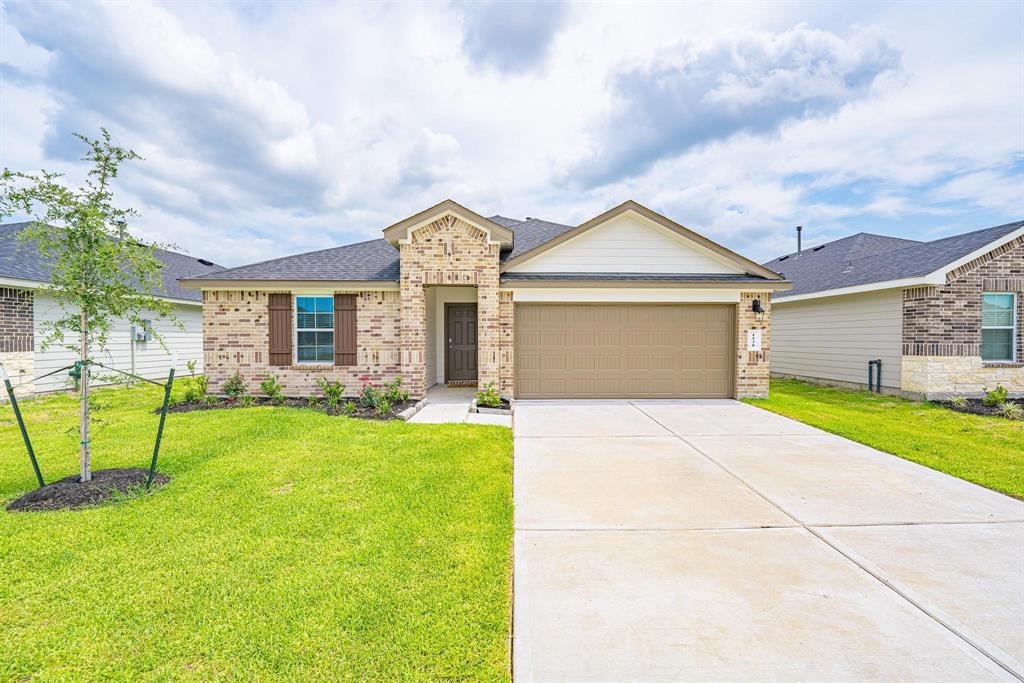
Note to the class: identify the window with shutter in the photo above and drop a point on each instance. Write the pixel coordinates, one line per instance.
(344, 329)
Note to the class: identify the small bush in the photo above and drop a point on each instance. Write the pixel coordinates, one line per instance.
(247, 401)
(488, 397)
(394, 393)
(332, 391)
(272, 388)
(312, 401)
(350, 408)
(235, 388)
(210, 399)
(382, 406)
(1011, 411)
(191, 365)
(196, 388)
(369, 395)
(995, 397)
(958, 402)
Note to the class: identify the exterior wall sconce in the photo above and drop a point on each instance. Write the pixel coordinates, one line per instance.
(758, 311)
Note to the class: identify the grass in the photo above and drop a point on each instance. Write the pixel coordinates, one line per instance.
(985, 450)
(288, 545)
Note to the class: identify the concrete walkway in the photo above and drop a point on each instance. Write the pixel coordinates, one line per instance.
(711, 540)
(451, 404)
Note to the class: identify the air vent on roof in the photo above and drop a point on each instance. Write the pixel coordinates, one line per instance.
(205, 262)
(783, 258)
(819, 248)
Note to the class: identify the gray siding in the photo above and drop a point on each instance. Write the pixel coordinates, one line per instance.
(835, 337)
(151, 360)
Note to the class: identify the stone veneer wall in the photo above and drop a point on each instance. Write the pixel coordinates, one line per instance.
(753, 367)
(448, 251)
(17, 339)
(942, 329)
(236, 336)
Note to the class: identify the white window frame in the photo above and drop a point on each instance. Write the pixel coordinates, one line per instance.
(296, 329)
(1012, 327)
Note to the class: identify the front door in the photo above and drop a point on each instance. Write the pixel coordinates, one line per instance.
(460, 334)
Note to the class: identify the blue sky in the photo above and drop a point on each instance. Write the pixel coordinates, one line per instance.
(270, 129)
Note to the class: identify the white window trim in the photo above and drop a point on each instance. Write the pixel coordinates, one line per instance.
(295, 331)
(1012, 328)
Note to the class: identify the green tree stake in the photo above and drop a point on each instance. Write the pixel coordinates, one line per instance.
(160, 429)
(21, 425)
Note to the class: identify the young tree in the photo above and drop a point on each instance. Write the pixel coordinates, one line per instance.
(98, 271)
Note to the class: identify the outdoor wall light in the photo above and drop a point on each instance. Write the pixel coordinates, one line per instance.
(758, 311)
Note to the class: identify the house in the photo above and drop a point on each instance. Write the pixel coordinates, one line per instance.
(627, 304)
(25, 306)
(942, 316)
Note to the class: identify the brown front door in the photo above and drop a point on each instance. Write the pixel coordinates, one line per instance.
(460, 335)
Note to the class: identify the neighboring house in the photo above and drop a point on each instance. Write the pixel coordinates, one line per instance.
(942, 316)
(25, 305)
(628, 304)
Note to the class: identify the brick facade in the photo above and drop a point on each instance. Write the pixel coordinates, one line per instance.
(942, 328)
(448, 251)
(753, 367)
(17, 340)
(236, 336)
(16, 320)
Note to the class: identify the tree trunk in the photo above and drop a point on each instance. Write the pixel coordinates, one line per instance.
(84, 450)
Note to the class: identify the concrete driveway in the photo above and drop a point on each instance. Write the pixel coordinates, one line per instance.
(711, 540)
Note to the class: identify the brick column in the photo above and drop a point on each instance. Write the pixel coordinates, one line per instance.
(413, 341)
(506, 341)
(488, 343)
(752, 367)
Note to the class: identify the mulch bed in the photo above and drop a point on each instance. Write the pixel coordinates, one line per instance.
(505, 405)
(321, 406)
(974, 406)
(70, 494)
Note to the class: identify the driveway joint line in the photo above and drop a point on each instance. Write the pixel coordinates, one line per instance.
(876, 575)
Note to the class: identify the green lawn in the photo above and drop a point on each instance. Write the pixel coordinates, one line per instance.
(288, 545)
(986, 450)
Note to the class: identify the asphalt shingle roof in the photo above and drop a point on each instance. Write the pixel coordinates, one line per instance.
(865, 258)
(371, 260)
(24, 262)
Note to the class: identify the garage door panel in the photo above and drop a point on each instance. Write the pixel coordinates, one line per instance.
(617, 350)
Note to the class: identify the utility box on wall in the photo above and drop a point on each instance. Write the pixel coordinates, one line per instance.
(144, 332)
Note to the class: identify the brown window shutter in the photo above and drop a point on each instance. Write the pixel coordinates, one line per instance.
(280, 306)
(344, 329)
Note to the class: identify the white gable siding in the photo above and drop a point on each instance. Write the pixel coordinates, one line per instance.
(834, 338)
(151, 360)
(627, 244)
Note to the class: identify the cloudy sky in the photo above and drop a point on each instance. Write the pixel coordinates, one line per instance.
(270, 129)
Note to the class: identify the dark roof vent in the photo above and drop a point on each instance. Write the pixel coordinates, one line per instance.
(783, 258)
(819, 248)
(205, 262)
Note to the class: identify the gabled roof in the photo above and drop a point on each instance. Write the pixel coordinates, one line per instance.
(871, 261)
(401, 230)
(631, 206)
(377, 261)
(23, 262)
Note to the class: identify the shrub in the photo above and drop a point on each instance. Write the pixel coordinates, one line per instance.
(394, 393)
(272, 388)
(995, 397)
(312, 401)
(1011, 411)
(369, 395)
(488, 397)
(247, 401)
(235, 387)
(210, 399)
(382, 406)
(332, 391)
(191, 365)
(350, 408)
(196, 388)
(958, 402)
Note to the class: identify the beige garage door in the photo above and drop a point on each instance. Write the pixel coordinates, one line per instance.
(624, 350)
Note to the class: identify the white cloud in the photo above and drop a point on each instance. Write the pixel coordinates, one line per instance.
(279, 128)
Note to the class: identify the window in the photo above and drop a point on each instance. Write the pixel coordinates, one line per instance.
(314, 329)
(998, 322)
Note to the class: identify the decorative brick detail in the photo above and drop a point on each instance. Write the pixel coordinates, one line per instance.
(448, 251)
(946, 320)
(236, 336)
(753, 367)
(16, 320)
(941, 377)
